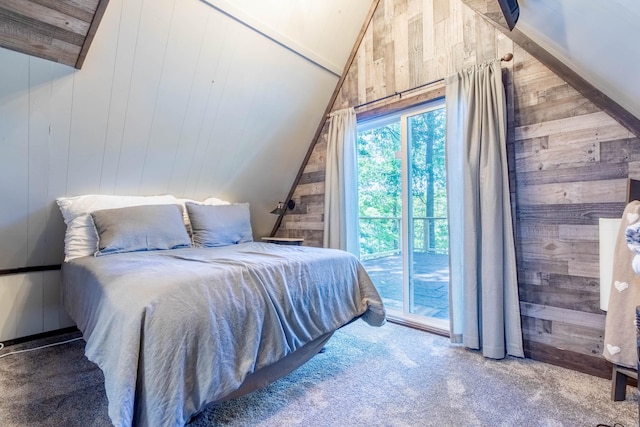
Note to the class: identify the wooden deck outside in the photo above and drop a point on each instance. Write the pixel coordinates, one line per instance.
(430, 283)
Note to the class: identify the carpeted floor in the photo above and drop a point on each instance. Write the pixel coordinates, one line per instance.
(389, 376)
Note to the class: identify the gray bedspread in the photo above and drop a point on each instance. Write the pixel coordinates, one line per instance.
(174, 330)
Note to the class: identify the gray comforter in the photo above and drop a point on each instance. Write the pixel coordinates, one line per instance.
(174, 330)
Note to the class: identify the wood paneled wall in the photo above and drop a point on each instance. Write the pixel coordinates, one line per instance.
(568, 160)
(570, 163)
(60, 30)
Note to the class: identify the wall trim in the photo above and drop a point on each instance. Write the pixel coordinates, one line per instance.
(32, 269)
(593, 365)
(48, 334)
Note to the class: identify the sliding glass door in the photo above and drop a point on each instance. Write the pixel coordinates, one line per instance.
(403, 223)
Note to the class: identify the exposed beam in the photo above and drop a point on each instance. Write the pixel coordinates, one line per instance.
(323, 118)
(264, 29)
(93, 28)
(55, 30)
(490, 10)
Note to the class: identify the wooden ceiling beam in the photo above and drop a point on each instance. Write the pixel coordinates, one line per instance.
(93, 28)
(491, 12)
(56, 30)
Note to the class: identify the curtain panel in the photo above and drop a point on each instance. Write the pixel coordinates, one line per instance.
(341, 183)
(484, 303)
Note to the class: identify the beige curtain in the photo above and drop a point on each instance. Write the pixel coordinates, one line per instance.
(341, 182)
(484, 304)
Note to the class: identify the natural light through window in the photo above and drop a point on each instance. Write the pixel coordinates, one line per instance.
(402, 202)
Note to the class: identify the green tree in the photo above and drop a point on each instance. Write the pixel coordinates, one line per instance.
(428, 175)
(380, 185)
(379, 188)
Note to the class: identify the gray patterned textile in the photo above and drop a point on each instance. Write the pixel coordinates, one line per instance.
(175, 330)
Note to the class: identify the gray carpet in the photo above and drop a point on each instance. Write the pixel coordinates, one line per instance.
(389, 376)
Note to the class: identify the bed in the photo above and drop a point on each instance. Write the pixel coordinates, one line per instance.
(175, 330)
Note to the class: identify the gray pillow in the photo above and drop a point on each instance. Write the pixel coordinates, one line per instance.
(140, 228)
(219, 225)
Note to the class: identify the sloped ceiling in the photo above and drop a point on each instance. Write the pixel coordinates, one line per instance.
(202, 98)
(596, 39)
(315, 30)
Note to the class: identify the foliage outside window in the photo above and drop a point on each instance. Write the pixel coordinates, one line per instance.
(380, 185)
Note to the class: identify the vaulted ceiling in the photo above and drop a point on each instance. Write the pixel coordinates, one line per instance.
(596, 39)
(222, 97)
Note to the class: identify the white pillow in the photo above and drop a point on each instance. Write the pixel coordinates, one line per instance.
(210, 201)
(214, 201)
(81, 238)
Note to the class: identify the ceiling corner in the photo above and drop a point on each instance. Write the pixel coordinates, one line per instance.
(490, 10)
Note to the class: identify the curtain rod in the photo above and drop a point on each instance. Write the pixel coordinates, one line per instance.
(398, 93)
(507, 57)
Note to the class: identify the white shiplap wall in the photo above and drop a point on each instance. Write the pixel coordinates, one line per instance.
(30, 304)
(174, 97)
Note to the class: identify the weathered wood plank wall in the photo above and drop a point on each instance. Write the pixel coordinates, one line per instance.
(569, 162)
(60, 31)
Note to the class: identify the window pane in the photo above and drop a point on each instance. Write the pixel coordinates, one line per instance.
(428, 231)
(380, 207)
